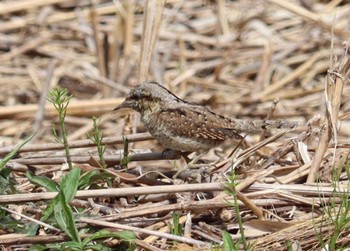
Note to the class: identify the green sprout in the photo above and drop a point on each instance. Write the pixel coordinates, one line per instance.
(60, 98)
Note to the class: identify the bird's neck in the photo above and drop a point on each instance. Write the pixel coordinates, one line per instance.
(150, 107)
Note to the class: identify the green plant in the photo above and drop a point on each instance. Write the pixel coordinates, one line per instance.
(90, 177)
(64, 216)
(10, 224)
(176, 227)
(90, 243)
(336, 212)
(289, 245)
(7, 184)
(59, 206)
(66, 192)
(9, 156)
(228, 245)
(60, 99)
(126, 159)
(97, 137)
(230, 189)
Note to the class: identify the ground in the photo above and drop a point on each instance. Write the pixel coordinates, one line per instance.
(274, 190)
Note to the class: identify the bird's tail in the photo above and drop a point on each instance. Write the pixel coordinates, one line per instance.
(258, 125)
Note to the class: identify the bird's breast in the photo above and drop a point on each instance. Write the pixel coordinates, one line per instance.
(164, 133)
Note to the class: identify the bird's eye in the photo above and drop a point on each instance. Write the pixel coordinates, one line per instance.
(140, 94)
(135, 95)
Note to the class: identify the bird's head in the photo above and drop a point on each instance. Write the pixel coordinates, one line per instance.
(148, 97)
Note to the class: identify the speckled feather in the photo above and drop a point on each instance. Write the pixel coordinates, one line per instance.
(197, 122)
(184, 126)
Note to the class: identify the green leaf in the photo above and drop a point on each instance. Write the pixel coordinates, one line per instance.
(7, 184)
(228, 242)
(71, 245)
(97, 247)
(9, 224)
(176, 226)
(68, 189)
(88, 177)
(122, 235)
(69, 184)
(5, 173)
(45, 182)
(132, 247)
(14, 151)
(45, 215)
(64, 217)
(49, 209)
(32, 230)
(38, 248)
(47, 247)
(93, 176)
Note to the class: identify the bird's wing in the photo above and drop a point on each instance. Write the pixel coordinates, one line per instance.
(196, 121)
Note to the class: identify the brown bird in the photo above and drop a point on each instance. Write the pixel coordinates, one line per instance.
(187, 127)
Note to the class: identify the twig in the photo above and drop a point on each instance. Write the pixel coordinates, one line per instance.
(77, 143)
(146, 231)
(116, 192)
(31, 219)
(110, 160)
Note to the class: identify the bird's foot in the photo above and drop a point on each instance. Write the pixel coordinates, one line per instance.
(191, 175)
(196, 162)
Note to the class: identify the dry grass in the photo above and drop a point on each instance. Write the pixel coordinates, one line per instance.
(286, 60)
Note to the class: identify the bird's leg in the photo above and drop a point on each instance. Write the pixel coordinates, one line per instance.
(196, 163)
(167, 153)
(191, 164)
(185, 156)
(187, 159)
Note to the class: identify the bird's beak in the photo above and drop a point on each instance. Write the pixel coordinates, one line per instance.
(126, 104)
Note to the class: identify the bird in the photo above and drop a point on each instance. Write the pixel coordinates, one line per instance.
(183, 126)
